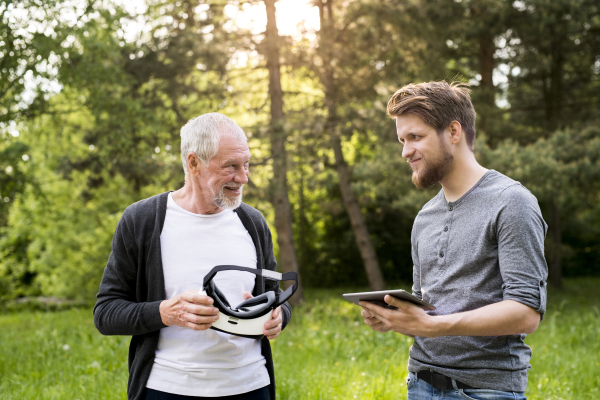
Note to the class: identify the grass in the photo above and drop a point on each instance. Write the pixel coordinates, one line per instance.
(325, 353)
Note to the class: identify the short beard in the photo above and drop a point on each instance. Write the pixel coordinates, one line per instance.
(434, 171)
(227, 203)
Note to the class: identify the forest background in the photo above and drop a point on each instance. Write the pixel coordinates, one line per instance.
(93, 95)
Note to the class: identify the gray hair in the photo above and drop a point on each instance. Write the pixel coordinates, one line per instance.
(201, 135)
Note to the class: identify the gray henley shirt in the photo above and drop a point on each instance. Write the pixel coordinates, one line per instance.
(484, 248)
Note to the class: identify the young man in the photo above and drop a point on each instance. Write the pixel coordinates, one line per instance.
(162, 249)
(478, 255)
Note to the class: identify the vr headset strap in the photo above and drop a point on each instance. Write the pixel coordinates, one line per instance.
(276, 276)
(283, 297)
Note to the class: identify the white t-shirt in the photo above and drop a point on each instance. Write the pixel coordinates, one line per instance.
(206, 363)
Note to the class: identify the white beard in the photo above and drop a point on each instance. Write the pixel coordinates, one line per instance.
(225, 202)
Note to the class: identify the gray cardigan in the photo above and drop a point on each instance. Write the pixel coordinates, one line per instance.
(133, 285)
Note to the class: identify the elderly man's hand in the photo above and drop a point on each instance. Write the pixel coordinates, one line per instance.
(189, 310)
(274, 325)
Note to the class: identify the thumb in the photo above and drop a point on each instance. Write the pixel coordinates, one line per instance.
(247, 295)
(392, 301)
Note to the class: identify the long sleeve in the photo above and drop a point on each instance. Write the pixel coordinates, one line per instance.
(118, 310)
(521, 231)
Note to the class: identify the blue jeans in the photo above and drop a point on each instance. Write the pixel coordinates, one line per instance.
(418, 389)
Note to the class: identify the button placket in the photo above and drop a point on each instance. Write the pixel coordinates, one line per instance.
(446, 238)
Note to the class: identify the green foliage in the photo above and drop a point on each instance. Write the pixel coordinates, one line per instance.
(563, 169)
(31, 33)
(325, 353)
(553, 53)
(139, 94)
(13, 173)
(98, 114)
(59, 232)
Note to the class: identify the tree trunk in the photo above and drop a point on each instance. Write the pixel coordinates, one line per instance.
(556, 86)
(302, 222)
(555, 273)
(487, 48)
(359, 226)
(279, 194)
(486, 97)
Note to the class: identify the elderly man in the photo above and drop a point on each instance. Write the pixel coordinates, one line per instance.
(162, 249)
(478, 255)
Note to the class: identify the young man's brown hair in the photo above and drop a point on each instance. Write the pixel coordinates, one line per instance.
(437, 104)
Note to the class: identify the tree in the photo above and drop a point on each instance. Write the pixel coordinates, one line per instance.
(326, 49)
(278, 136)
(553, 52)
(31, 33)
(472, 29)
(140, 93)
(564, 178)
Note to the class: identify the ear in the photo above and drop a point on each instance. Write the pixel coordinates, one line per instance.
(456, 132)
(195, 166)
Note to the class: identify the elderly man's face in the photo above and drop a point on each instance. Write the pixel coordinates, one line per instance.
(226, 173)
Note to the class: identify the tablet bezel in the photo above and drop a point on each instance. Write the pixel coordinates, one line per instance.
(378, 296)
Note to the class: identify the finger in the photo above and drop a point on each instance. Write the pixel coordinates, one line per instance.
(365, 313)
(271, 332)
(276, 312)
(198, 327)
(273, 337)
(380, 318)
(203, 299)
(273, 323)
(193, 296)
(200, 310)
(376, 325)
(393, 301)
(201, 319)
(373, 308)
(247, 295)
(372, 322)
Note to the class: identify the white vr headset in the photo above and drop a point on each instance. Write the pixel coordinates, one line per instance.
(248, 318)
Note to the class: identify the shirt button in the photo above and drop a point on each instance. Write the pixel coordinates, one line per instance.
(441, 254)
(445, 229)
(449, 208)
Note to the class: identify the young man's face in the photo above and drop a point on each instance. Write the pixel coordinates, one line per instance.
(427, 153)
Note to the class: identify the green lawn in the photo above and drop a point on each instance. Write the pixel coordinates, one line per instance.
(325, 353)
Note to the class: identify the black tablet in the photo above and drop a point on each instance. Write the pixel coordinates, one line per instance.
(377, 298)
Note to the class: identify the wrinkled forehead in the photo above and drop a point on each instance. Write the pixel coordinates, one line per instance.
(232, 147)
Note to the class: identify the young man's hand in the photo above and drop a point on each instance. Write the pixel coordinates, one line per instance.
(273, 326)
(373, 322)
(189, 310)
(408, 319)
